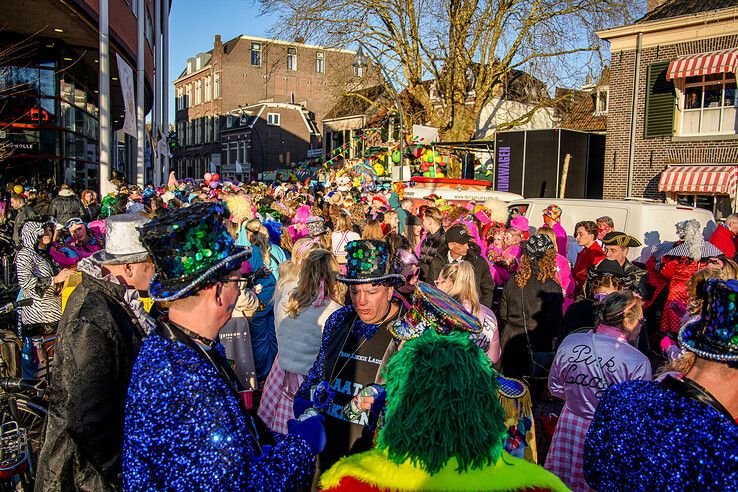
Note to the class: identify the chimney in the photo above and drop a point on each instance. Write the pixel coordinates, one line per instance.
(654, 4)
(218, 42)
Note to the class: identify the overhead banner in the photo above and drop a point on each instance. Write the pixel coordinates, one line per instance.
(425, 135)
(125, 75)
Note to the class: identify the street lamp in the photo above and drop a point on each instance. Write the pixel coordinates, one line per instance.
(360, 61)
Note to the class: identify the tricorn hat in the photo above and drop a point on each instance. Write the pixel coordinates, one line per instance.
(190, 248)
(368, 262)
(616, 238)
(714, 335)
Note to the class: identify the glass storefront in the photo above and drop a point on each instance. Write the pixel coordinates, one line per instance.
(49, 128)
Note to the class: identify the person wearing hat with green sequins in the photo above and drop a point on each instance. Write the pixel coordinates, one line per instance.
(356, 344)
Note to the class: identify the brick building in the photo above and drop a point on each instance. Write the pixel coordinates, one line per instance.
(245, 72)
(267, 133)
(681, 58)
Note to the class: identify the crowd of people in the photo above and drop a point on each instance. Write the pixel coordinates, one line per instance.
(233, 336)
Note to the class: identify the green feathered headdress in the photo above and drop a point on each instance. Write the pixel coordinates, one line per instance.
(442, 403)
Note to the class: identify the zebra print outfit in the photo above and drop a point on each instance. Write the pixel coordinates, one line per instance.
(35, 271)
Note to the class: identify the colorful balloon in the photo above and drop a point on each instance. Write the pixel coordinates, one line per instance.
(215, 177)
(17, 189)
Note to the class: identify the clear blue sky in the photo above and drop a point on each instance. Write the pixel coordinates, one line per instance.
(193, 23)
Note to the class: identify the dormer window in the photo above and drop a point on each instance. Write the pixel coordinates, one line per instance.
(602, 100)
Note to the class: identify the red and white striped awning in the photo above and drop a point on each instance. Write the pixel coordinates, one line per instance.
(700, 179)
(704, 64)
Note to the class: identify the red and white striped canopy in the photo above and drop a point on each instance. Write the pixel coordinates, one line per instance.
(704, 64)
(700, 179)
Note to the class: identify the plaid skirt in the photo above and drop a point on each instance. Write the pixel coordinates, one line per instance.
(567, 447)
(278, 397)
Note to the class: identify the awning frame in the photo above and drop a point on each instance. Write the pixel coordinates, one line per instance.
(699, 64)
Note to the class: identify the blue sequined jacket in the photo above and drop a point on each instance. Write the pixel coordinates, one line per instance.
(334, 332)
(646, 436)
(184, 430)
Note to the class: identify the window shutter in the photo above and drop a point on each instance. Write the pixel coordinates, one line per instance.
(660, 98)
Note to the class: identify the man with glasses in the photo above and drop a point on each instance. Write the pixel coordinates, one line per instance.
(187, 425)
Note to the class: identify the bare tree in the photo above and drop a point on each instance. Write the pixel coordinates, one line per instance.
(453, 57)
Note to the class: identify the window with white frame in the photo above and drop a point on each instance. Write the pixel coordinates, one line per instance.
(708, 105)
(358, 71)
(208, 129)
(187, 140)
(178, 99)
(319, 62)
(602, 100)
(208, 88)
(273, 119)
(198, 91)
(216, 85)
(216, 128)
(256, 54)
(292, 59)
(188, 96)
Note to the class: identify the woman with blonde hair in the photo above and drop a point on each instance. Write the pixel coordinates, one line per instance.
(263, 338)
(564, 276)
(531, 311)
(373, 230)
(458, 281)
(299, 333)
(342, 234)
(289, 271)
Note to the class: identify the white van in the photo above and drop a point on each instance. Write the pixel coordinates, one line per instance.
(650, 222)
(418, 193)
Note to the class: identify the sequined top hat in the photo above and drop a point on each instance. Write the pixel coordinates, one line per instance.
(714, 335)
(191, 249)
(368, 262)
(433, 309)
(122, 241)
(316, 226)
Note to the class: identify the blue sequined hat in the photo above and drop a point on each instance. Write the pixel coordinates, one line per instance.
(190, 248)
(368, 262)
(714, 335)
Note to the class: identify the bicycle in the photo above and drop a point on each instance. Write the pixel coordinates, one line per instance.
(23, 408)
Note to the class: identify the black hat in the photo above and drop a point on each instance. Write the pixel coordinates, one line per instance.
(537, 245)
(190, 247)
(621, 239)
(368, 262)
(458, 234)
(413, 220)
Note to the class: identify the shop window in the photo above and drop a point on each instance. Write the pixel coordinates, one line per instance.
(709, 105)
(719, 205)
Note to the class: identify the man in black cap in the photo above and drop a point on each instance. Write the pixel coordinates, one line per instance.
(460, 246)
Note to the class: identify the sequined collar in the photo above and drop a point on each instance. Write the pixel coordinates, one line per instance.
(688, 388)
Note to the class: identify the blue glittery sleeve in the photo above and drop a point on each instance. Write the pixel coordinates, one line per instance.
(184, 430)
(332, 324)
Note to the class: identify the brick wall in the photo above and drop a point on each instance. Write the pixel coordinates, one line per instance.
(652, 155)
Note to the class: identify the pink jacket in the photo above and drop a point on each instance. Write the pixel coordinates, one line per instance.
(566, 280)
(586, 364)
